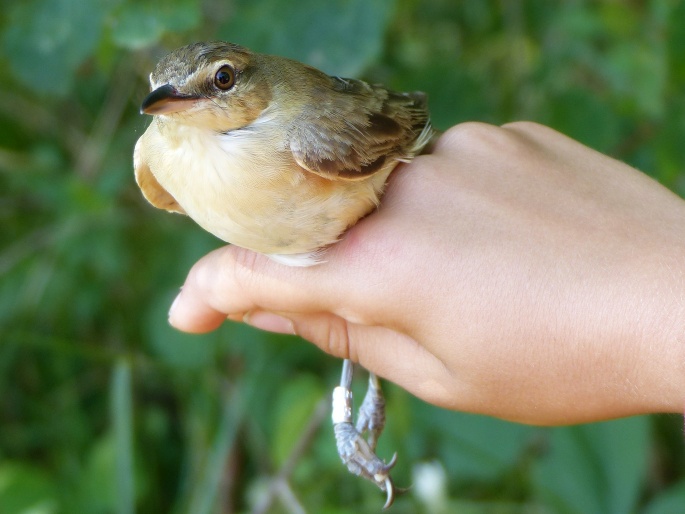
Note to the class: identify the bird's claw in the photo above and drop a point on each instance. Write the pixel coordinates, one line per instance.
(361, 460)
(357, 453)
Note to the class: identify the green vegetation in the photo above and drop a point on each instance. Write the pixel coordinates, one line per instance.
(105, 409)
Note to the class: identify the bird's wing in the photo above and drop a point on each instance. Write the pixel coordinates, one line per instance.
(151, 188)
(357, 130)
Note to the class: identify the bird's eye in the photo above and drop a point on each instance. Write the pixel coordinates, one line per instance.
(225, 77)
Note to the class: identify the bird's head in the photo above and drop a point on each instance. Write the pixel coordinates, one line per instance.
(214, 85)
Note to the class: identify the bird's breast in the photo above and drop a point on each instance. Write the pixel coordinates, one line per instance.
(245, 188)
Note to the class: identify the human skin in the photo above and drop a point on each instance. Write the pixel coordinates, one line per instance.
(512, 272)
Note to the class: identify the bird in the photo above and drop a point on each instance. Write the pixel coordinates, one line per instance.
(280, 158)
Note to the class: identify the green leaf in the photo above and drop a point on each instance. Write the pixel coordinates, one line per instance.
(122, 414)
(584, 117)
(637, 73)
(594, 469)
(672, 501)
(98, 491)
(294, 407)
(142, 24)
(676, 44)
(25, 489)
(471, 447)
(137, 26)
(180, 15)
(177, 349)
(208, 485)
(47, 40)
(341, 36)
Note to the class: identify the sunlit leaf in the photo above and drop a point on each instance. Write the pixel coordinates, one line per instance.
(294, 408)
(25, 489)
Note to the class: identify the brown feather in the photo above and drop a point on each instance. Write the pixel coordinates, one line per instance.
(152, 190)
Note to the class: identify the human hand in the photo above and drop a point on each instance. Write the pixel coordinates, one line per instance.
(512, 272)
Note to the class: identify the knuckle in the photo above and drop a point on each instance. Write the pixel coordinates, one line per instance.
(244, 266)
(523, 126)
(202, 276)
(225, 278)
(247, 269)
(482, 138)
(468, 134)
(337, 339)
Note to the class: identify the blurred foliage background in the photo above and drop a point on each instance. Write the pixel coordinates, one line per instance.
(105, 409)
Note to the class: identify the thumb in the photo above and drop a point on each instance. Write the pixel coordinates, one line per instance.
(232, 281)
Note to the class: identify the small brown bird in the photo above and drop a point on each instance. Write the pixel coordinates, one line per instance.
(275, 156)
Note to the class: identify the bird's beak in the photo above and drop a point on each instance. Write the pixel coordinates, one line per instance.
(166, 100)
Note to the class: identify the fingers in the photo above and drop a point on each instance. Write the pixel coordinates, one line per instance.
(389, 354)
(233, 281)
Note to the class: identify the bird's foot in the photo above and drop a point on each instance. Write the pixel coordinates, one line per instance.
(357, 453)
(371, 414)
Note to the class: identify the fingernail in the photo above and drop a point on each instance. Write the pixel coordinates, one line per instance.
(173, 304)
(270, 322)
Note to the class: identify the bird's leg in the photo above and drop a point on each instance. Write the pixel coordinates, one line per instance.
(357, 453)
(371, 415)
